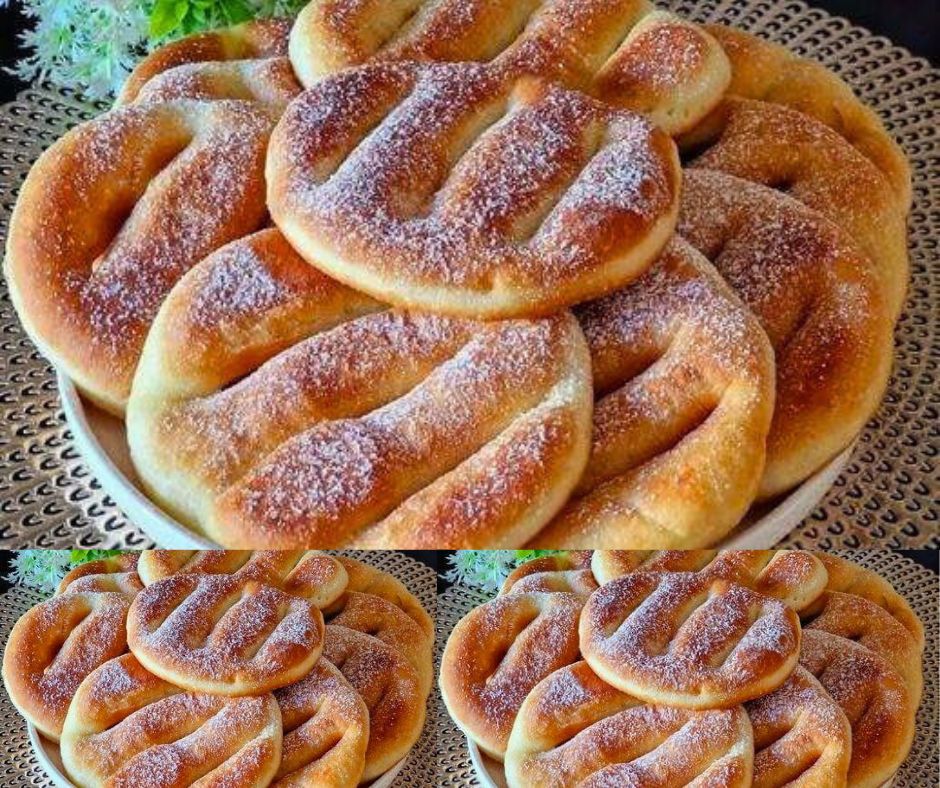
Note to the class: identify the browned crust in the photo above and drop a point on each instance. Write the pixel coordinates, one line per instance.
(819, 299)
(770, 72)
(252, 40)
(683, 376)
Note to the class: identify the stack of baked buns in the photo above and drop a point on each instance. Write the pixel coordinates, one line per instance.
(471, 273)
(225, 669)
(702, 668)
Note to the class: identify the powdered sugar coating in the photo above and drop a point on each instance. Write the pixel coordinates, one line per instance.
(225, 634)
(800, 732)
(128, 727)
(115, 213)
(446, 180)
(687, 640)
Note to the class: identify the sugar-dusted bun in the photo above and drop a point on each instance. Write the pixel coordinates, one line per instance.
(684, 381)
(366, 579)
(390, 688)
(465, 190)
(608, 565)
(112, 573)
(575, 729)
(270, 81)
(54, 646)
(383, 620)
(626, 52)
(820, 300)
(801, 736)
(274, 407)
(686, 640)
(498, 652)
(114, 213)
(310, 574)
(864, 622)
(569, 572)
(767, 71)
(850, 578)
(873, 696)
(795, 577)
(252, 41)
(127, 728)
(224, 634)
(787, 150)
(326, 731)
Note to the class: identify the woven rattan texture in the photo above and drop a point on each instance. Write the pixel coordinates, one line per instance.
(918, 585)
(20, 769)
(885, 497)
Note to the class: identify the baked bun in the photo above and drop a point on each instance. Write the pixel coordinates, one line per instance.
(795, 577)
(390, 689)
(326, 731)
(498, 652)
(683, 376)
(127, 728)
(875, 700)
(685, 640)
(787, 150)
(399, 428)
(801, 736)
(114, 213)
(54, 646)
(259, 39)
(317, 577)
(574, 729)
(381, 619)
(820, 301)
(463, 190)
(224, 634)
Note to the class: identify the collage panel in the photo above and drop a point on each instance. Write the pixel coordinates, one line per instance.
(218, 668)
(730, 668)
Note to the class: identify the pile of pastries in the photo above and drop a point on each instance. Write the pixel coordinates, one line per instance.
(471, 273)
(225, 668)
(703, 668)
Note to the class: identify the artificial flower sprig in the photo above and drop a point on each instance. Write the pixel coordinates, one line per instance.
(43, 570)
(487, 569)
(90, 46)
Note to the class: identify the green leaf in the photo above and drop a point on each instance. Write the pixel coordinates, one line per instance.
(167, 16)
(235, 11)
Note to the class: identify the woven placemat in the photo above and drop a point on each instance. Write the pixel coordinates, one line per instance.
(19, 767)
(916, 583)
(885, 497)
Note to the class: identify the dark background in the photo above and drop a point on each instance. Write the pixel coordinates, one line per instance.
(433, 558)
(908, 23)
(437, 560)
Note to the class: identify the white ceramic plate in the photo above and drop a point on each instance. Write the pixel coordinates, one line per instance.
(101, 439)
(491, 775)
(47, 753)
